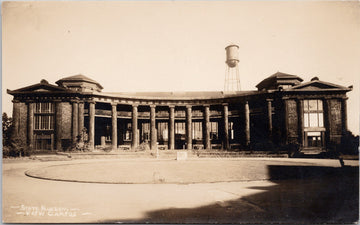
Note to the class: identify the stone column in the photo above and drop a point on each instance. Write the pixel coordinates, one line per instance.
(327, 122)
(58, 119)
(153, 136)
(188, 127)
(81, 119)
(92, 125)
(300, 111)
(247, 124)
(286, 121)
(344, 115)
(226, 126)
(114, 126)
(75, 121)
(172, 127)
(16, 118)
(269, 117)
(31, 125)
(135, 138)
(207, 144)
(52, 142)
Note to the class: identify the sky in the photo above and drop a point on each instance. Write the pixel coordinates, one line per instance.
(179, 45)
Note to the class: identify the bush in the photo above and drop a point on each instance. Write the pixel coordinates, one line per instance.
(293, 150)
(16, 148)
(82, 142)
(349, 144)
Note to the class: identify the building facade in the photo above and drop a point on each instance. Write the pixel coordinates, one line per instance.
(283, 110)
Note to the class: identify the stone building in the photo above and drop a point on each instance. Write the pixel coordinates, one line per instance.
(283, 110)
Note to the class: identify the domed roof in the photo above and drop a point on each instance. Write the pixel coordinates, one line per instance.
(78, 78)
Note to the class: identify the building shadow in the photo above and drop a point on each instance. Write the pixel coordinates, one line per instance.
(301, 194)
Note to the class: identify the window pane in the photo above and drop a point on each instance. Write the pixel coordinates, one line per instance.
(306, 120)
(214, 127)
(197, 130)
(320, 105)
(162, 131)
(312, 105)
(313, 120)
(321, 120)
(36, 122)
(214, 130)
(180, 128)
(306, 105)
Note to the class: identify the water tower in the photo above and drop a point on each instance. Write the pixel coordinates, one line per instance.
(232, 79)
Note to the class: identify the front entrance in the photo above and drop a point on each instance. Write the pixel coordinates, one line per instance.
(314, 139)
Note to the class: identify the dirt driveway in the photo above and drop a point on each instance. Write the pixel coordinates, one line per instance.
(300, 190)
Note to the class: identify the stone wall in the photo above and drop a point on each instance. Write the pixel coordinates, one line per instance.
(66, 120)
(335, 121)
(20, 121)
(292, 121)
(23, 121)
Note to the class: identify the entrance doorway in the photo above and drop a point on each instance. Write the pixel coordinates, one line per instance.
(314, 139)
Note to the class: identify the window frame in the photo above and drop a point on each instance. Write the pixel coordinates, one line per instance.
(44, 116)
(313, 117)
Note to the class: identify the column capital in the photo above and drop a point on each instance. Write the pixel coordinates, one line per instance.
(225, 104)
(29, 101)
(269, 99)
(206, 105)
(135, 105)
(345, 98)
(74, 100)
(91, 101)
(188, 106)
(171, 106)
(15, 101)
(113, 103)
(152, 106)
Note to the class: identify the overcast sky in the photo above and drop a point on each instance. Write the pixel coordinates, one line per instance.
(179, 45)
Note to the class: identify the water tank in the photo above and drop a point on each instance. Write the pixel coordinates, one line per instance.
(232, 55)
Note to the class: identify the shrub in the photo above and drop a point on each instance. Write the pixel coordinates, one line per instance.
(82, 142)
(16, 148)
(349, 144)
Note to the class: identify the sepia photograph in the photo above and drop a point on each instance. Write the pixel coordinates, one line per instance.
(180, 112)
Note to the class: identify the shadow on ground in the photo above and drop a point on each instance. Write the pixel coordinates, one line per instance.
(302, 194)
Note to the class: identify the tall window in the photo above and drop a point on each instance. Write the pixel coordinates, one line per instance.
(180, 128)
(162, 131)
(231, 130)
(145, 131)
(214, 132)
(44, 116)
(313, 113)
(197, 130)
(128, 132)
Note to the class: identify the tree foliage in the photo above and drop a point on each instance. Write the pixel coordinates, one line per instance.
(12, 146)
(7, 127)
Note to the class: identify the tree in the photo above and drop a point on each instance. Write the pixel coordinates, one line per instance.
(7, 127)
